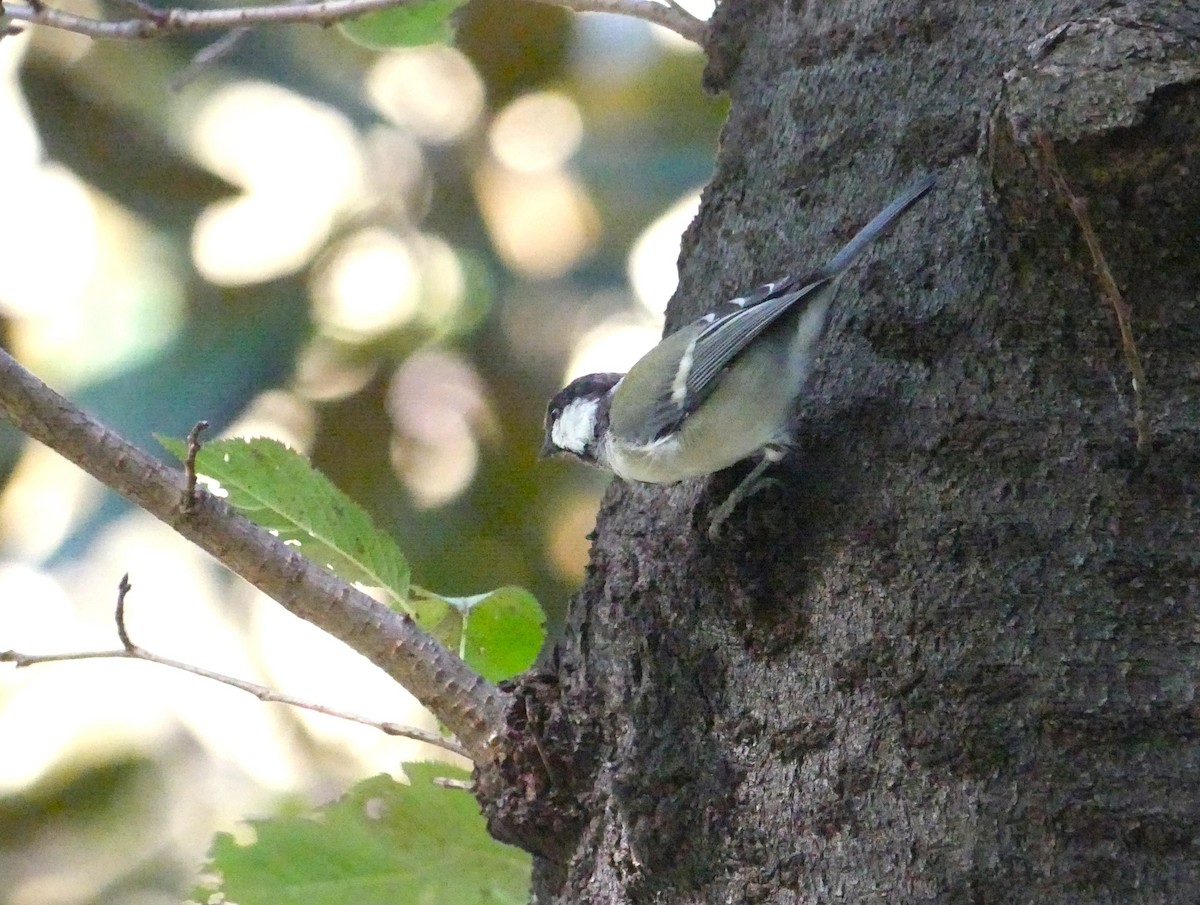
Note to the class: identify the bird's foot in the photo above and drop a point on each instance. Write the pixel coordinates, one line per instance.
(753, 483)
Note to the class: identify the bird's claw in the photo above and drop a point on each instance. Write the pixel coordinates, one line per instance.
(750, 485)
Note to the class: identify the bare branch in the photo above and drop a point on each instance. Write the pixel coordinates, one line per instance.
(152, 23)
(470, 706)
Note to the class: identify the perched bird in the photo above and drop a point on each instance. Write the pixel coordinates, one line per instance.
(717, 391)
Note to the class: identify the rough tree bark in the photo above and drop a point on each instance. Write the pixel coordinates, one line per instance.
(954, 656)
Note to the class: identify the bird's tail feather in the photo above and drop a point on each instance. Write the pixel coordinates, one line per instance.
(878, 225)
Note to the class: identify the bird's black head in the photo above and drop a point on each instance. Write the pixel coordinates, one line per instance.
(577, 417)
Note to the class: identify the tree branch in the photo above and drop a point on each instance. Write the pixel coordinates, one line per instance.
(131, 651)
(153, 23)
(472, 708)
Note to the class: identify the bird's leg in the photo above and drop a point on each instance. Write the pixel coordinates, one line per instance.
(750, 485)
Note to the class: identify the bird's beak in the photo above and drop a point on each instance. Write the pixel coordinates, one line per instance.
(548, 449)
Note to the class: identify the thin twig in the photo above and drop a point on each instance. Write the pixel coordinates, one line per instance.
(1108, 285)
(206, 56)
(173, 20)
(189, 465)
(261, 692)
(122, 590)
(131, 651)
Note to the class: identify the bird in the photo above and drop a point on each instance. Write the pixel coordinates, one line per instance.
(719, 390)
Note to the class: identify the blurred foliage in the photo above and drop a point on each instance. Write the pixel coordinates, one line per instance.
(377, 407)
(88, 832)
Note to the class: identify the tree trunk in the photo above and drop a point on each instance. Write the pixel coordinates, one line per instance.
(953, 655)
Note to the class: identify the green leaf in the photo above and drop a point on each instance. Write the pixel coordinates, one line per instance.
(430, 611)
(410, 25)
(277, 488)
(384, 843)
(499, 633)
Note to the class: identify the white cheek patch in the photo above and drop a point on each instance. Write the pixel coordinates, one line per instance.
(575, 429)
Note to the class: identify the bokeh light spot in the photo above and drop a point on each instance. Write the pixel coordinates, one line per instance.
(539, 131)
(48, 231)
(438, 408)
(615, 344)
(448, 102)
(399, 178)
(278, 414)
(567, 543)
(300, 163)
(45, 496)
(328, 370)
(542, 224)
(368, 285)
(652, 260)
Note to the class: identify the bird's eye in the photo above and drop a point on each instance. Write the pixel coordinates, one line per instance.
(555, 411)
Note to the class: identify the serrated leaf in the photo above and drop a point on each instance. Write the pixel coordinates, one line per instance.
(410, 25)
(498, 634)
(384, 843)
(277, 488)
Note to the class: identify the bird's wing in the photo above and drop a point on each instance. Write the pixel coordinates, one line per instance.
(721, 341)
(719, 337)
(727, 331)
